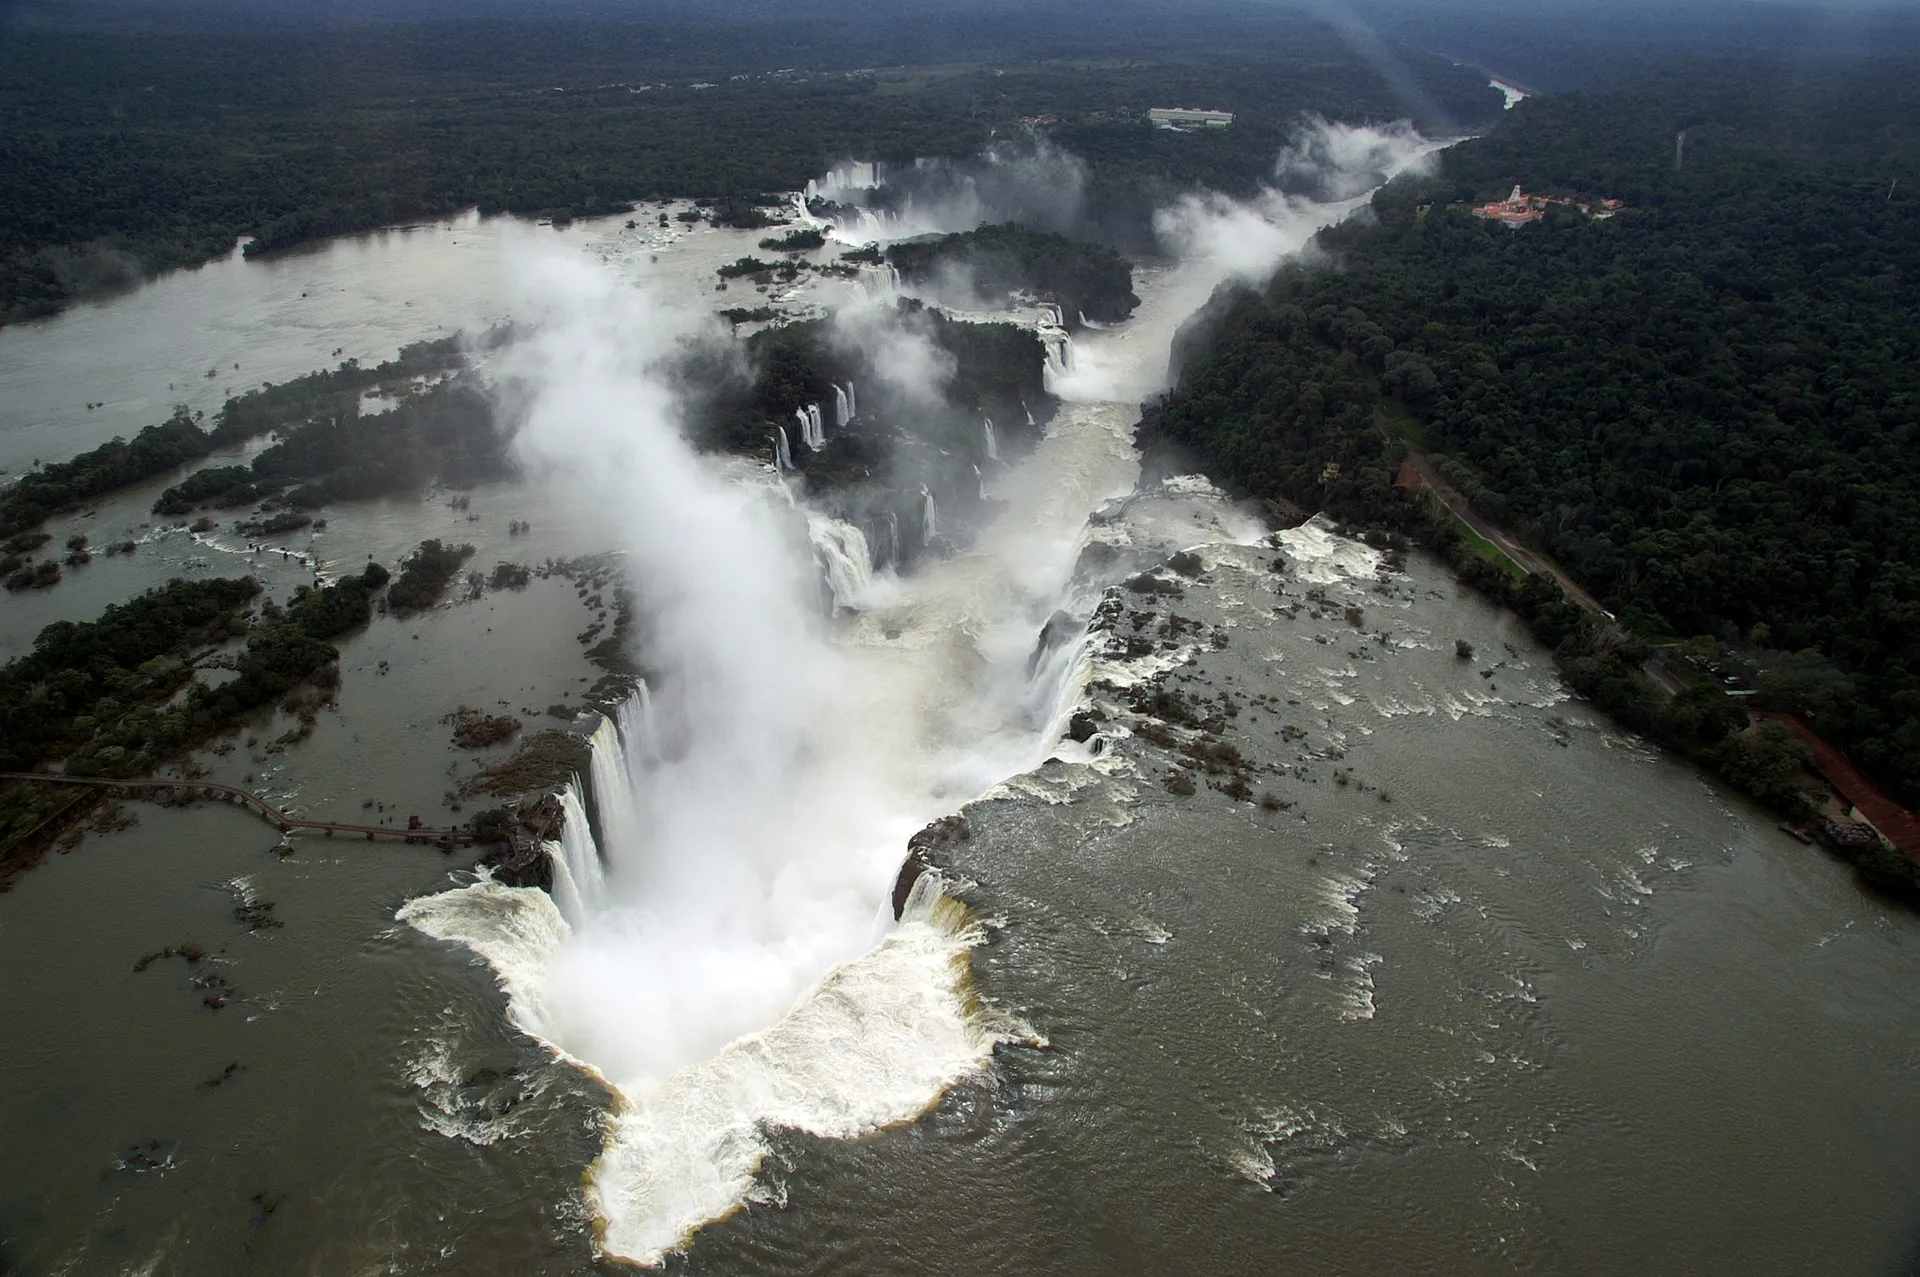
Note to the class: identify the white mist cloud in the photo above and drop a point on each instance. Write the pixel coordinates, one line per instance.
(1042, 186)
(699, 945)
(715, 960)
(1339, 161)
(899, 347)
(1219, 240)
(1246, 239)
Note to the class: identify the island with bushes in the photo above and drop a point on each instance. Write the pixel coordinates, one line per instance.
(1086, 280)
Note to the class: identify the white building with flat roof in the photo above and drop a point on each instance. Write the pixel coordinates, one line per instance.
(1183, 117)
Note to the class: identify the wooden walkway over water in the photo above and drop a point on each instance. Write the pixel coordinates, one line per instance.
(216, 792)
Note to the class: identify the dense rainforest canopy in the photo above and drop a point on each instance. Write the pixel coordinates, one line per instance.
(1706, 408)
(129, 151)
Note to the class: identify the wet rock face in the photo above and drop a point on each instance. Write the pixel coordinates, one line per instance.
(930, 849)
(516, 838)
(1059, 630)
(520, 863)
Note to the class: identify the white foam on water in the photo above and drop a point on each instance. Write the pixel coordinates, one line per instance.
(875, 1044)
(1140, 669)
(1321, 556)
(1359, 990)
(516, 929)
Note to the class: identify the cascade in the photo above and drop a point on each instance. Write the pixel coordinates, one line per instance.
(993, 446)
(852, 176)
(981, 481)
(844, 556)
(579, 875)
(853, 404)
(1027, 410)
(611, 767)
(782, 454)
(813, 432)
(802, 213)
(929, 525)
(842, 413)
(1059, 348)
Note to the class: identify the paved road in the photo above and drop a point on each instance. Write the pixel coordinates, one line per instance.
(1526, 560)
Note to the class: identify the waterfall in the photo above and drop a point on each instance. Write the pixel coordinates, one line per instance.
(782, 454)
(844, 558)
(993, 446)
(1027, 410)
(854, 175)
(842, 413)
(929, 525)
(880, 542)
(981, 481)
(579, 876)
(813, 432)
(617, 743)
(1059, 349)
(853, 404)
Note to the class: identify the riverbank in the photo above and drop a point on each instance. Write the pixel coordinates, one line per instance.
(1600, 658)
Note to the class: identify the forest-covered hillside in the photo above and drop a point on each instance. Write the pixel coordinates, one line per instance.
(128, 151)
(1706, 408)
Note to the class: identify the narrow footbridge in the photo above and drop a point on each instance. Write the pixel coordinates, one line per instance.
(418, 834)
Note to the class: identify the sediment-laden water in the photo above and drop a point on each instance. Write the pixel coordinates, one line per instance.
(1484, 987)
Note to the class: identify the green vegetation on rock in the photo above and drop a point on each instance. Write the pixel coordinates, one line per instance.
(1086, 279)
(425, 575)
(113, 465)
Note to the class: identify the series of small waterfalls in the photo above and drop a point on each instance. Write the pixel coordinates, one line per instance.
(685, 925)
(813, 426)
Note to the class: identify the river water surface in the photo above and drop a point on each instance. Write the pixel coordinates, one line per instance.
(1488, 987)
